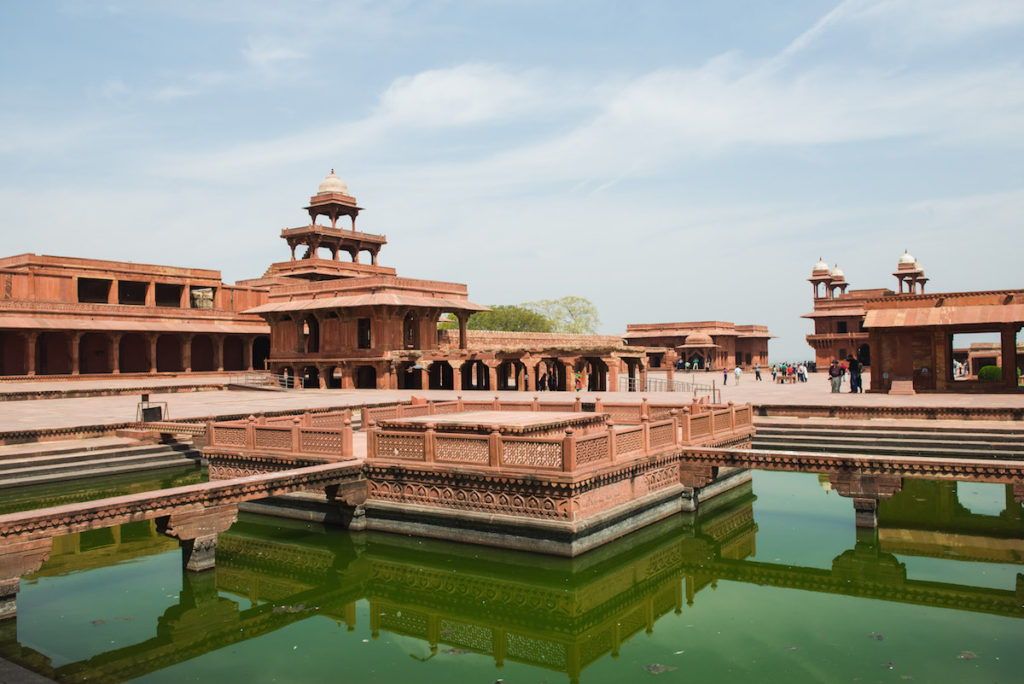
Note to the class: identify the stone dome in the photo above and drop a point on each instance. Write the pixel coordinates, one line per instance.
(697, 339)
(820, 266)
(907, 259)
(332, 185)
(837, 272)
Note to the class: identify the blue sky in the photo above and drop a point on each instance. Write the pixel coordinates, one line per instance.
(667, 160)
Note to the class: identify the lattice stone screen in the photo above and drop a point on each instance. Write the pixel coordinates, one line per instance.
(320, 441)
(229, 436)
(462, 450)
(628, 442)
(273, 438)
(530, 453)
(592, 450)
(661, 435)
(406, 447)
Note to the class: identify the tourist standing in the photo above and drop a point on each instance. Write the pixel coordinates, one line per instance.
(801, 372)
(835, 376)
(725, 376)
(757, 373)
(542, 382)
(775, 372)
(738, 373)
(855, 374)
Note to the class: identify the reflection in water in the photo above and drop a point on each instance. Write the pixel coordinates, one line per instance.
(557, 614)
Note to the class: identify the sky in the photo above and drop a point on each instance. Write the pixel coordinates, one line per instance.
(669, 161)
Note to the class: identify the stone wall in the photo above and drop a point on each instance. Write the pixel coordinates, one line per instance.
(497, 339)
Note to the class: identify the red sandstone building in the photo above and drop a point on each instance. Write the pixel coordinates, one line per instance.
(702, 344)
(70, 316)
(907, 337)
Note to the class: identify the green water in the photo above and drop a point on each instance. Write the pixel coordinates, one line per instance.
(90, 489)
(774, 587)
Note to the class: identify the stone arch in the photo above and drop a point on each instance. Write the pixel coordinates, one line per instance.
(202, 353)
(94, 353)
(168, 353)
(133, 354)
(333, 377)
(509, 373)
(408, 376)
(597, 374)
(366, 377)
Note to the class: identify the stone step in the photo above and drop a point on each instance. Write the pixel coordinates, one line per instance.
(109, 453)
(963, 429)
(839, 438)
(108, 469)
(63, 467)
(906, 449)
(62, 446)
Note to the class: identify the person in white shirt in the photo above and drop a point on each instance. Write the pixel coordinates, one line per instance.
(738, 373)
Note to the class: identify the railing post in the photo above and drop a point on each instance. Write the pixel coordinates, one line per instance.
(675, 426)
(307, 419)
(399, 410)
(459, 408)
(261, 418)
(370, 427)
(430, 408)
(578, 404)
(209, 433)
(296, 439)
(535, 405)
(497, 403)
(429, 442)
(711, 422)
(250, 432)
(347, 450)
(644, 414)
(611, 439)
(494, 450)
(569, 451)
(732, 417)
(685, 424)
(645, 424)
(598, 405)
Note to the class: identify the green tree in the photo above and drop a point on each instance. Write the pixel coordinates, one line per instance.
(571, 315)
(506, 317)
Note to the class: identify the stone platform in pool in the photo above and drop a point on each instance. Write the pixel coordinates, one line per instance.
(552, 482)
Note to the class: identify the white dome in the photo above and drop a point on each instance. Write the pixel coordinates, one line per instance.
(332, 185)
(906, 258)
(837, 272)
(918, 266)
(820, 266)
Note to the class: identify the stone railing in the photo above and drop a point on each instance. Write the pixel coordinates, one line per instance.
(324, 436)
(575, 451)
(696, 419)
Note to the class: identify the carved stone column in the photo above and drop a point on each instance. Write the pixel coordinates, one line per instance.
(30, 352)
(75, 340)
(152, 338)
(196, 532)
(866, 491)
(115, 353)
(218, 352)
(186, 352)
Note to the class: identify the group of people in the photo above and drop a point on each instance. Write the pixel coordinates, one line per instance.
(549, 382)
(789, 370)
(837, 371)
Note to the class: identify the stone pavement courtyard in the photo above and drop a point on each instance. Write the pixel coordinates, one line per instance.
(71, 412)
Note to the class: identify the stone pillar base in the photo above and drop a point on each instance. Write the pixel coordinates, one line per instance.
(866, 512)
(198, 554)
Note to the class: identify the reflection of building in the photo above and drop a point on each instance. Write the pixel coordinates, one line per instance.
(708, 344)
(70, 316)
(907, 336)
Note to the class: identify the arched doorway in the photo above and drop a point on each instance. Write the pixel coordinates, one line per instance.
(94, 353)
(511, 375)
(366, 377)
(555, 371)
(410, 375)
(333, 377)
(441, 376)
(168, 353)
(260, 352)
(133, 354)
(232, 351)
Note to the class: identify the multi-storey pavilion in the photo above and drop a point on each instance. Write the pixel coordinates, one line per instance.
(71, 316)
(337, 323)
(907, 336)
